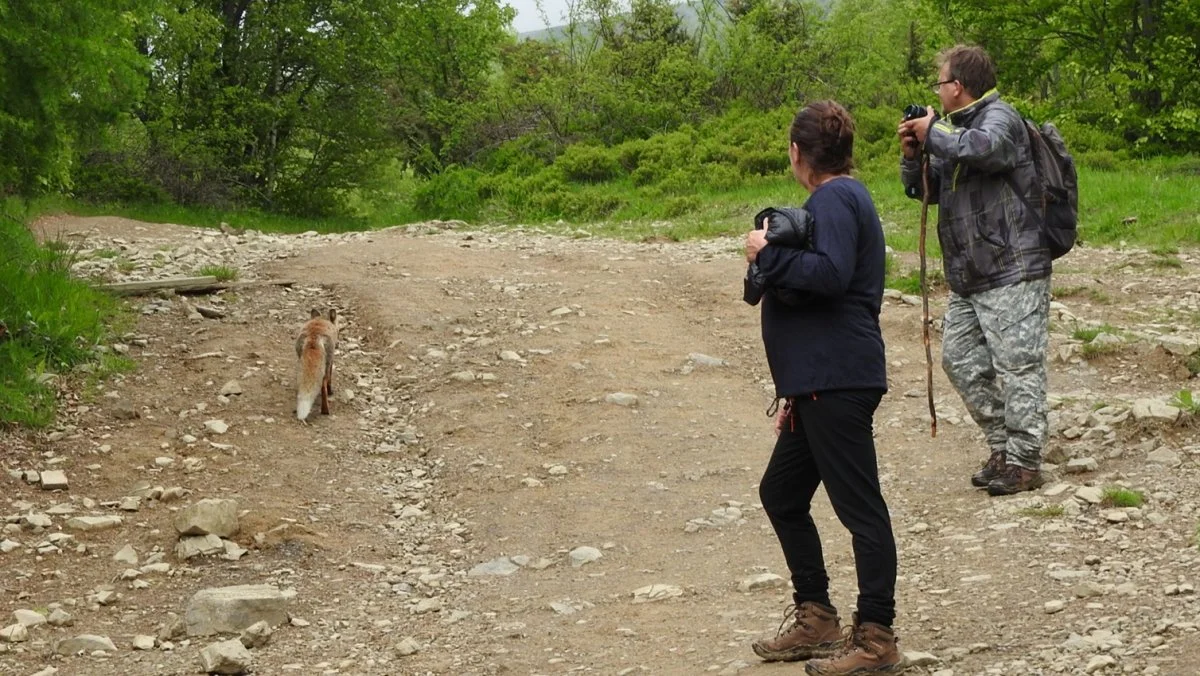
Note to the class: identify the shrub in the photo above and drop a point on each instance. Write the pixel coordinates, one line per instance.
(763, 163)
(454, 193)
(589, 164)
(587, 206)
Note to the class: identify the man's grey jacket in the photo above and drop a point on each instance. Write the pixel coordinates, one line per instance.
(988, 238)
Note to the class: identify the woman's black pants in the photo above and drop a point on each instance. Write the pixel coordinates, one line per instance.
(828, 439)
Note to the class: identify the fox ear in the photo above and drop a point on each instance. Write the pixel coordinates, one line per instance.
(315, 313)
(332, 315)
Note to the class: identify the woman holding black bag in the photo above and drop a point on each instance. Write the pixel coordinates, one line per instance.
(820, 324)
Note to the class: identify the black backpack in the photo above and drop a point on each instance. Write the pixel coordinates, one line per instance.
(1056, 189)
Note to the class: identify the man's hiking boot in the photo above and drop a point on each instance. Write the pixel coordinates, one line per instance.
(1014, 480)
(992, 469)
(869, 649)
(815, 631)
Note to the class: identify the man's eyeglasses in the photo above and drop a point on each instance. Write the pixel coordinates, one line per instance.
(937, 85)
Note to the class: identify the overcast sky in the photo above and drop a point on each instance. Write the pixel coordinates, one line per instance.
(527, 14)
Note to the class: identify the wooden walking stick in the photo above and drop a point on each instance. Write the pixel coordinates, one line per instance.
(925, 322)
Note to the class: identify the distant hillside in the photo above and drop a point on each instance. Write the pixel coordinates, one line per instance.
(691, 20)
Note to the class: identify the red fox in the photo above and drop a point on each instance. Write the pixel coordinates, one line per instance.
(314, 347)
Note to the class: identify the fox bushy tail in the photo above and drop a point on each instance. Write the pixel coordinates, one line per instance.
(311, 377)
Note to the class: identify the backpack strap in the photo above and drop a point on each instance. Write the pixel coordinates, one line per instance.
(1012, 183)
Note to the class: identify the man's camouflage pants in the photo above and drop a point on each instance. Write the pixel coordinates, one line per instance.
(994, 352)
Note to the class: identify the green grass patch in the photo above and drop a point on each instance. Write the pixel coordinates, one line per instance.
(1088, 333)
(1115, 496)
(50, 323)
(1145, 202)
(1081, 291)
(1186, 401)
(1047, 512)
(105, 253)
(223, 273)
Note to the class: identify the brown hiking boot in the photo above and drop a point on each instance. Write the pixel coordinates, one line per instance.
(992, 469)
(871, 649)
(1014, 480)
(815, 631)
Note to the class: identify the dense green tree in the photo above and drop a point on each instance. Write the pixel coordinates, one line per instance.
(1124, 64)
(273, 102)
(67, 68)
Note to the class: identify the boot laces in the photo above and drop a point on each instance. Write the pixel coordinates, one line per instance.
(797, 615)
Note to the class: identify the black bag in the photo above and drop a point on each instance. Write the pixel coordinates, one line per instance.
(1056, 190)
(791, 227)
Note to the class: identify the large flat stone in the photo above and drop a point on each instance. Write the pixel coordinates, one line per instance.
(209, 516)
(198, 545)
(92, 523)
(86, 643)
(229, 610)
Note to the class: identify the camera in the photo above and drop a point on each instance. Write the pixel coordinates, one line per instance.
(914, 110)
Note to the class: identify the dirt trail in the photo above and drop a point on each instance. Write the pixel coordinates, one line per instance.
(471, 424)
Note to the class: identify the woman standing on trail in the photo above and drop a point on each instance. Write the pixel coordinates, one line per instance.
(827, 362)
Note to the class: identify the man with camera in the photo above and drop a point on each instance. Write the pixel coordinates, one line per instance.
(995, 258)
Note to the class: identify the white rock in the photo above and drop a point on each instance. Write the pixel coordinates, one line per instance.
(1179, 345)
(211, 515)
(1099, 663)
(500, 566)
(408, 646)
(622, 399)
(231, 387)
(1164, 456)
(509, 355)
(1115, 515)
(190, 546)
(1080, 465)
(256, 634)
(14, 633)
(143, 642)
(1154, 410)
(225, 657)
(233, 551)
(429, 605)
(656, 592)
(1051, 607)
(1056, 490)
(705, 360)
(216, 426)
(1090, 494)
(54, 480)
(60, 618)
(583, 555)
(913, 658)
(29, 618)
(762, 581)
(126, 555)
(232, 609)
(1063, 574)
(7, 545)
(93, 523)
(86, 643)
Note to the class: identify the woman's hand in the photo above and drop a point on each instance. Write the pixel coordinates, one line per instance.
(784, 412)
(755, 241)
